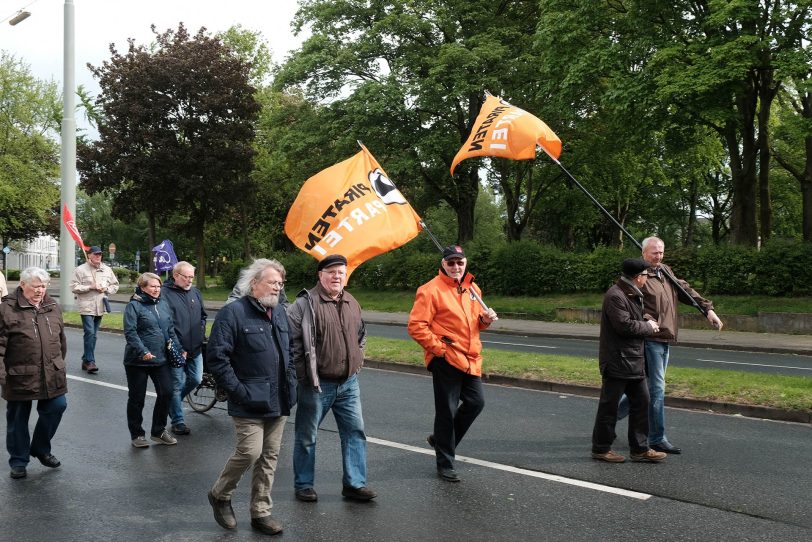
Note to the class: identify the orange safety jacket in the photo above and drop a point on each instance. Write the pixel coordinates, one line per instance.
(444, 308)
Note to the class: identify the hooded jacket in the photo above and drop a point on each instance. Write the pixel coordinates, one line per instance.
(147, 323)
(621, 352)
(446, 320)
(32, 349)
(188, 315)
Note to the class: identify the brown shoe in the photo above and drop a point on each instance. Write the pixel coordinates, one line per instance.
(650, 456)
(266, 525)
(358, 493)
(609, 457)
(91, 367)
(223, 513)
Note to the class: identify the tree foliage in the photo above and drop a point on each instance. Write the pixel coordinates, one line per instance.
(176, 136)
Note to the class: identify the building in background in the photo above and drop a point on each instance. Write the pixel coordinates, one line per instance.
(41, 252)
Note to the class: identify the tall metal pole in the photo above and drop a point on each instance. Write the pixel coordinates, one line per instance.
(67, 258)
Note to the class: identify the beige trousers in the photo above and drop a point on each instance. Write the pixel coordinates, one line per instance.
(258, 443)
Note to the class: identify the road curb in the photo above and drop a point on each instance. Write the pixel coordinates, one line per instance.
(736, 409)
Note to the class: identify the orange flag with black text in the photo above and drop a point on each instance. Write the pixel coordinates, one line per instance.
(507, 132)
(352, 209)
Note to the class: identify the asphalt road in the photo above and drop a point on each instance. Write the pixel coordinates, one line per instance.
(785, 364)
(526, 474)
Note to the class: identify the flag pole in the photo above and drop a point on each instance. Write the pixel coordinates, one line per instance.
(670, 277)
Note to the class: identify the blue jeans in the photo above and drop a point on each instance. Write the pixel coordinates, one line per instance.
(90, 325)
(656, 364)
(344, 398)
(18, 442)
(184, 380)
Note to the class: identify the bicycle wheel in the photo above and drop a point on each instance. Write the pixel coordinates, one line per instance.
(202, 398)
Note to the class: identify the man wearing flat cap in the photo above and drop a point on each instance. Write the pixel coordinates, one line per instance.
(446, 320)
(327, 340)
(92, 282)
(621, 356)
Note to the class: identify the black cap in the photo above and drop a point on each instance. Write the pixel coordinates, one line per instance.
(454, 251)
(331, 260)
(95, 250)
(634, 266)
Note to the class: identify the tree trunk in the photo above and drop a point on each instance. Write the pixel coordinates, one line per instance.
(151, 240)
(690, 228)
(767, 92)
(743, 223)
(200, 249)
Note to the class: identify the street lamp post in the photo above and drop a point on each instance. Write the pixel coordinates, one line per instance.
(68, 164)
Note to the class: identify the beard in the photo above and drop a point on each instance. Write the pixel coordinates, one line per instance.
(269, 301)
(187, 287)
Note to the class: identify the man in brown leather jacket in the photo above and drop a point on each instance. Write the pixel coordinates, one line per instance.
(32, 368)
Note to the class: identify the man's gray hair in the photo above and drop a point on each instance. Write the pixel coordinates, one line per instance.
(29, 274)
(181, 265)
(653, 239)
(254, 272)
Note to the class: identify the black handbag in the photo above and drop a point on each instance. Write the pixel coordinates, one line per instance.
(175, 358)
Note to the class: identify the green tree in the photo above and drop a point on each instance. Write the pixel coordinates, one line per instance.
(29, 156)
(176, 136)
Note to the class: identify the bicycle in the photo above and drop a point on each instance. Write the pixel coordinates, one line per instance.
(206, 394)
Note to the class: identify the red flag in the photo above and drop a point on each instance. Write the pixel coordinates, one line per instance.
(352, 209)
(67, 218)
(508, 132)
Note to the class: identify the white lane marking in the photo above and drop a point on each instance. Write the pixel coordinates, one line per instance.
(520, 344)
(106, 384)
(756, 364)
(517, 470)
(462, 458)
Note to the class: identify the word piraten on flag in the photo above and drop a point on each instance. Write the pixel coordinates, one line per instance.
(507, 132)
(70, 224)
(352, 209)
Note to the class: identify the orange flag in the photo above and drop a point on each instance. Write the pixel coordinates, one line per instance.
(508, 132)
(352, 209)
(70, 224)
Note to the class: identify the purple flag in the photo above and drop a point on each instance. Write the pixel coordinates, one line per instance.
(164, 257)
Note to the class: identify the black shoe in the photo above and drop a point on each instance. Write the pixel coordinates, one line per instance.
(181, 429)
(18, 472)
(666, 447)
(430, 440)
(266, 525)
(307, 494)
(223, 513)
(449, 475)
(49, 461)
(358, 493)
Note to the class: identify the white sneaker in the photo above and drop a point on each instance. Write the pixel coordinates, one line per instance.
(164, 438)
(140, 442)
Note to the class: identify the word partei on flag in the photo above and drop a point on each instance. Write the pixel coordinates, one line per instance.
(164, 258)
(70, 224)
(507, 132)
(352, 209)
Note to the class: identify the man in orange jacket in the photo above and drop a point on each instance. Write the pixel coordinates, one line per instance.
(446, 320)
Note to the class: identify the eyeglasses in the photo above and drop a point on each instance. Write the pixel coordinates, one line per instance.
(187, 277)
(452, 263)
(280, 284)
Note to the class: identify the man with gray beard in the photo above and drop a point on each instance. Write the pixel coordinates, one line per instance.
(249, 355)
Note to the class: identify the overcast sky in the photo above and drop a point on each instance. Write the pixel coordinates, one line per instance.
(38, 40)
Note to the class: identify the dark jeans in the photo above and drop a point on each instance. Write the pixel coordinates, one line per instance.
(137, 383)
(458, 400)
(18, 442)
(90, 326)
(603, 434)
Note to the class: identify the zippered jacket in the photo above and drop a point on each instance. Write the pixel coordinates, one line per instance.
(621, 352)
(147, 323)
(32, 349)
(188, 315)
(90, 301)
(446, 320)
(660, 299)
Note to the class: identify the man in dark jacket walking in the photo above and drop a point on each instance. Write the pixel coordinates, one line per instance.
(189, 317)
(32, 368)
(249, 355)
(622, 361)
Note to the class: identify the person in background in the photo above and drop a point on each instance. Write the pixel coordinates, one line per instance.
(622, 361)
(92, 282)
(189, 317)
(249, 355)
(147, 328)
(32, 368)
(446, 320)
(3, 286)
(328, 338)
(660, 298)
